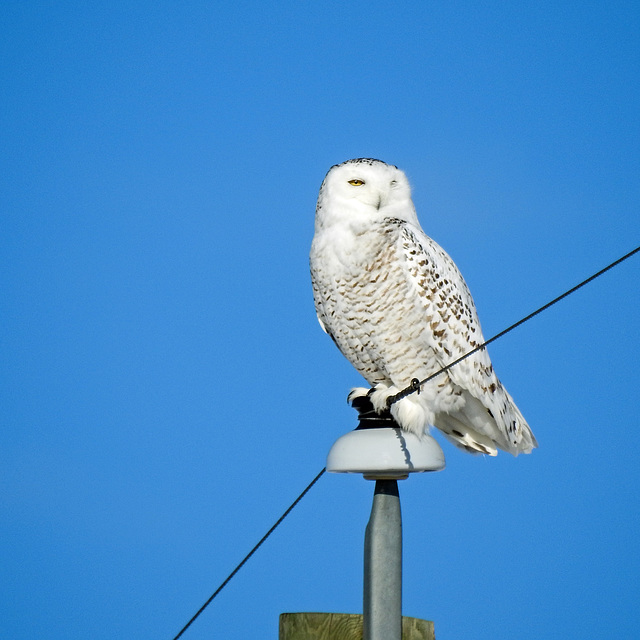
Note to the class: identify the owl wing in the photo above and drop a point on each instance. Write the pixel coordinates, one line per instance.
(453, 331)
(446, 300)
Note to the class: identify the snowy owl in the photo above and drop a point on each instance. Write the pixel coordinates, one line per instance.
(397, 307)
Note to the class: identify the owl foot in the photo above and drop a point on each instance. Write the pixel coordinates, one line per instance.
(369, 417)
(357, 392)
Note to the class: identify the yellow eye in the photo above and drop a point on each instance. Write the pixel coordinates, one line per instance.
(356, 182)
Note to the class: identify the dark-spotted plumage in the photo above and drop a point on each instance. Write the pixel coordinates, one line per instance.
(398, 308)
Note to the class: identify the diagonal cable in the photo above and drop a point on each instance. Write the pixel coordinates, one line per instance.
(416, 384)
(264, 537)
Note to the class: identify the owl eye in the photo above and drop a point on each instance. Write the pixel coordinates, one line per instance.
(393, 183)
(356, 182)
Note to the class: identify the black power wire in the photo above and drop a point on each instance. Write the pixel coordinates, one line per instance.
(264, 537)
(417, 384)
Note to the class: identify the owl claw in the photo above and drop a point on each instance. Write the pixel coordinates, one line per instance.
(357, 392)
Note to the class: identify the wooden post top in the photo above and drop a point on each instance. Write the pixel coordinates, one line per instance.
(343, 626)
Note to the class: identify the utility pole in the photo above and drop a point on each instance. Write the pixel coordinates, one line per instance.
(380, 451)
(382, 602)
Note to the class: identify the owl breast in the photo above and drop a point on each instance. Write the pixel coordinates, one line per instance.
(368, 305)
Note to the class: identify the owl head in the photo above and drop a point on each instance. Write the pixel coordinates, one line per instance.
(364, 190)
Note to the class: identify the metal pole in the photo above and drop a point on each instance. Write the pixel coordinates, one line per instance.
(383, 565)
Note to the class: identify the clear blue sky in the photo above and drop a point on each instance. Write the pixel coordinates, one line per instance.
(166, 389)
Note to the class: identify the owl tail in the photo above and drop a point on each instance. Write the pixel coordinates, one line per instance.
(464, 436)
(478, 429)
